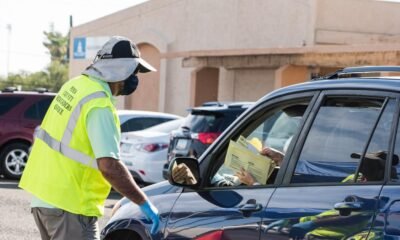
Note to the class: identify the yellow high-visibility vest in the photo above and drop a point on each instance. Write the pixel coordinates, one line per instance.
(62, 169)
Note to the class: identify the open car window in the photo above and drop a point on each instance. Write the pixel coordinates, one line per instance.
(345, 131)
(244, 161)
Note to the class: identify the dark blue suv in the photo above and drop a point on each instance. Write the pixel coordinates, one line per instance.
(337, 177)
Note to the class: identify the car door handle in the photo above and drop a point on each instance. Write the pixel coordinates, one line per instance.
(250, 207)
(345, 208)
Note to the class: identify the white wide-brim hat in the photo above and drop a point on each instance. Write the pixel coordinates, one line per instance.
(117, 60)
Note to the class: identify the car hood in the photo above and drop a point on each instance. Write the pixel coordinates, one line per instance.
(161, 194)
(163, 187)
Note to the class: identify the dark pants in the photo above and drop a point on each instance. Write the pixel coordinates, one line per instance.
(57, 224)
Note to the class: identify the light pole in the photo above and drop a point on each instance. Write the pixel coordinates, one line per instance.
(9, 29)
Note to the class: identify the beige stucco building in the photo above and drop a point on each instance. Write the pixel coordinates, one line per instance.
(234, 50)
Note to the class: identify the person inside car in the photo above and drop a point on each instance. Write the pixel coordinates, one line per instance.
(182, 173)
(277, 156)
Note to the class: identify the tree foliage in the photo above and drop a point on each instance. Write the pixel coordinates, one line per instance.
(57, 45)
(53, 76)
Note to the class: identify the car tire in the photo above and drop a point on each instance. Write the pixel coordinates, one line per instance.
(13, 159)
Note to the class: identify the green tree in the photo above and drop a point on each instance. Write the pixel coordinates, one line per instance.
(53, 76)
(57, 44)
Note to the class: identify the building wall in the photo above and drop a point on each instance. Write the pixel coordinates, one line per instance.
(238, 24)
(176, 27)
(182, 25)
(251, 84)
(289, 75)
(177, 89)
(204, 86)
(226, 85)
(357, 22)
(146, 96)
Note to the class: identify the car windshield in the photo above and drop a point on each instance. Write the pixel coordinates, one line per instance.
(208, 122)
(167, 126)
(123, 118)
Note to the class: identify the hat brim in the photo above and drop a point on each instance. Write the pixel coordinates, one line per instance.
(144, 66)
(368, 155)
(117, 69)
(375, 156)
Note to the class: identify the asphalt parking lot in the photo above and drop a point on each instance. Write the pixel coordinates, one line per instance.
(16, 221)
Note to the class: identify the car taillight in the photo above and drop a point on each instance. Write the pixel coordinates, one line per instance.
(153, 147)
(216, 235)
(207, 137)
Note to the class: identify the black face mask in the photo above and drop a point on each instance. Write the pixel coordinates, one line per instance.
(130, 85)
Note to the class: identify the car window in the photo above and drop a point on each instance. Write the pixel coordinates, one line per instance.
(373, 165)
(339, 134)
(278, 130)
(204, 121)
(7, 103)
(140, 123)
(38, 109)
(395, 170)
(247, 149)
(167, 126)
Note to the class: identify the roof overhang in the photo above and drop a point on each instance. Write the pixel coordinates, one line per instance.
(318, 56)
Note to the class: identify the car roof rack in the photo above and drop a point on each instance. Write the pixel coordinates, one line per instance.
(9, 89)
(240, 104)
(41, 90)
(357, 71)
(212, 103)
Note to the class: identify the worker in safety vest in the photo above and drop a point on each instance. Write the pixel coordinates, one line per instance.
(75, 157)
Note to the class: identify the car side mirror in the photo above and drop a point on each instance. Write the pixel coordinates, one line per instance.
(184, 171)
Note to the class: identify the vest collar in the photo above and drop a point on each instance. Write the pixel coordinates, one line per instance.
(105, 86)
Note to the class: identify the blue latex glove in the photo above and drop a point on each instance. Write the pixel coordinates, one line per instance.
(151, 213)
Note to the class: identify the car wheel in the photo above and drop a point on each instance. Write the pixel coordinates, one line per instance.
(13, 159)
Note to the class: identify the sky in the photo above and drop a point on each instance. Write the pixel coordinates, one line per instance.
(22, 23)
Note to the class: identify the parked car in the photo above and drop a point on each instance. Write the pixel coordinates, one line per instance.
(135, 120)
(201, 128)
(144, 152)
(20, 113)
(339, 178)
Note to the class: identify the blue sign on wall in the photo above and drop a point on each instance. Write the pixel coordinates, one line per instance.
(80, 48)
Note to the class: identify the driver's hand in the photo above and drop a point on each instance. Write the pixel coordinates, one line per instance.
(245, 177)
(274, 154)
(181, 173)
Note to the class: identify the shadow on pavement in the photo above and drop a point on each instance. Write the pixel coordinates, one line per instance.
(5, 183)
(9, 185)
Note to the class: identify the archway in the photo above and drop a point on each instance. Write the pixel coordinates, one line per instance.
(204, 86)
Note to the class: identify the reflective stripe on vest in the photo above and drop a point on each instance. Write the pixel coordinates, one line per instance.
(65, 149)
(63, 146)
(73, 120)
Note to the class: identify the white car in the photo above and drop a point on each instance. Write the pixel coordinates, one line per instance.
(135, 120)
(145, 152)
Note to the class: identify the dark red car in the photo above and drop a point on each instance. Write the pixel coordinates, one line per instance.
(20, 113)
